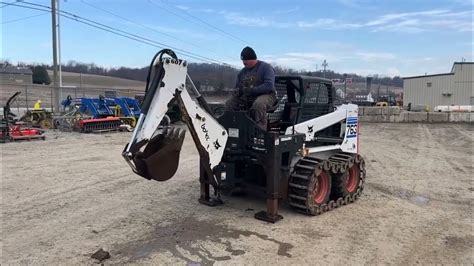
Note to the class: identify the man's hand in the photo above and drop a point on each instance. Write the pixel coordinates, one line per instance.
(247, 91)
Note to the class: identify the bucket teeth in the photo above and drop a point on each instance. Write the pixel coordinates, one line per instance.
(160, 158)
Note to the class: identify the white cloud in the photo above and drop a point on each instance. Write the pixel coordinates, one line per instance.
(182, 7)
(391, 17)
(415, 22)
(238, 19)
(312, 56)
(407, 22)
(362, 62)
(312, 60)
(316, 24)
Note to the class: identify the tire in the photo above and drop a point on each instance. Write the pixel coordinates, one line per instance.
(46, 124)
(309, 187)
(346, 184)
(321, 189)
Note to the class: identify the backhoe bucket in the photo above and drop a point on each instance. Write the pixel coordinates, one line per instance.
(160, 158)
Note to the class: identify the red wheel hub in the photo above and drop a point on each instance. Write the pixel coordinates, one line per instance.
(352, 179)
(321, 188)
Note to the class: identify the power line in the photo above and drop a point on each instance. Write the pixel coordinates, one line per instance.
(32, 8)
(77, 19)
(25, 18)
(208, 24)
(200, 20)
(145, 26)
(136, 23)
(120, 32)
(161, 45)
(7, 4)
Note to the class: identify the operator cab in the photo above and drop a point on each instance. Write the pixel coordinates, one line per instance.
(300, 98)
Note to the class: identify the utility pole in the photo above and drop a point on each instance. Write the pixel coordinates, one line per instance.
(58, 9)
(324, 64)
(55, 56)
(345, 85)
(378, 93)
(83, 93)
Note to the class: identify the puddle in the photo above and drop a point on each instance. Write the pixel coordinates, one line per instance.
(189, 235)
(459, 243)
(419, 200)
(403, 194)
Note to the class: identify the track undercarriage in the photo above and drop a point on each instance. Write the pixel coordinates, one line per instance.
(317, 186)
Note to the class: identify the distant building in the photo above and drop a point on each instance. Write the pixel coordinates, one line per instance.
(12, 74)
(454, 88)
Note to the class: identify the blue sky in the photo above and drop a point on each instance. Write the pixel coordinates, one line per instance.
(406, 37)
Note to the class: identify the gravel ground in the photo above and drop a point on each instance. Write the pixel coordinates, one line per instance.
(66, 197)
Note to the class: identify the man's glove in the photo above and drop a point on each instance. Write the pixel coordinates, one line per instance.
(247, 91)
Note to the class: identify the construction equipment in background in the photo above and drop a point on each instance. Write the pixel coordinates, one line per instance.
(364, 100)
(308, 155)
(386, 100)
(87, 115)
(38, 117)
(127, 109)
(12, 130)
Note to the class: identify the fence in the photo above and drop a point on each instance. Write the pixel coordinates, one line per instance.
(30, 93)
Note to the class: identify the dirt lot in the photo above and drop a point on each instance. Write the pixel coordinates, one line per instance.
(64, 198)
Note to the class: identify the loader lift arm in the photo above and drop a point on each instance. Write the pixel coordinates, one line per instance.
(153, 153)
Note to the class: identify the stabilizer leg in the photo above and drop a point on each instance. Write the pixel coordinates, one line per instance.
(273, 175)
(205, 197)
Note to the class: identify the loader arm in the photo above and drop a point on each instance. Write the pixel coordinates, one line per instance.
(153, 152)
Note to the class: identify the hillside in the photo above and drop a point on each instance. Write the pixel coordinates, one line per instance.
(98, 81)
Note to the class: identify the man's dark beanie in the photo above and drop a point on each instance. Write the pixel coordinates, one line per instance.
(248, 54)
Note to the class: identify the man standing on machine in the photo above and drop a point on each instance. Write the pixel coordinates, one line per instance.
(255, 88)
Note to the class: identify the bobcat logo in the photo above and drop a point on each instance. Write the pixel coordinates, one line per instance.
(310, 129)
(205, 131)
(216, 144)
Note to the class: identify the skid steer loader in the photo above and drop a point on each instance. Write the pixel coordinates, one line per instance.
(308, 156)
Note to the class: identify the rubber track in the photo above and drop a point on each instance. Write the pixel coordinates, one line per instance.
(304, 170)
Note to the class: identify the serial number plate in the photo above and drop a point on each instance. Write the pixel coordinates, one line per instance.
(233, 132)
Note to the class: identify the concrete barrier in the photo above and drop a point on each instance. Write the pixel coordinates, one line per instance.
(394, 110)
(436, 117)
(417, 117)
(369, 118)
(423, 117)
(373, 110)
(459, 117)
(403, 117)
(391, 110)
(395, 118)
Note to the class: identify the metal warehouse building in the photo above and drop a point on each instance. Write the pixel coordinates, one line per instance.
(454, 88)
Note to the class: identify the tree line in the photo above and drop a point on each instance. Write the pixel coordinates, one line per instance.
(216, 76)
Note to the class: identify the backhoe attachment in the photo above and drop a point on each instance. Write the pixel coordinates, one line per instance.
(153, 152)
